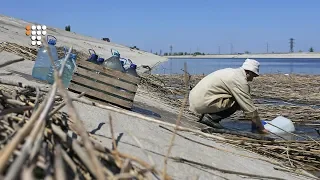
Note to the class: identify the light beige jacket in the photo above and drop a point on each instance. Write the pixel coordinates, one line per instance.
(220, 90)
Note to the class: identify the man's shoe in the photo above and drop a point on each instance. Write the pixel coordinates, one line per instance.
(209, 121)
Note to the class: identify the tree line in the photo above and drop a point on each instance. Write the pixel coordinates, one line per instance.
(182, 53)
(68, 28)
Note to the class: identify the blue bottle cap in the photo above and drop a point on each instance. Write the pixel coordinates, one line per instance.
(263, 122)
(100, 60)
(133, 66)
(73, 56)
(93, 57)
(52, 42)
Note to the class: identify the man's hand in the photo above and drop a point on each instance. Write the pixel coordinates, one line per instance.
(258, 124)
(264, 131)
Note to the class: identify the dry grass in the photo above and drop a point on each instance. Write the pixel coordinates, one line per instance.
(35, 139)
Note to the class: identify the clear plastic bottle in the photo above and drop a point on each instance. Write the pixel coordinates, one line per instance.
(50, 76)
(126, 63)
(100, 61)
(114, 63)
(42, 63)
(67, 72)
(93, 56)
(115, 53)
(132, 70)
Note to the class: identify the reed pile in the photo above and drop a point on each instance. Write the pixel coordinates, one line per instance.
(304, 154)
(30, 53)
(39, 142)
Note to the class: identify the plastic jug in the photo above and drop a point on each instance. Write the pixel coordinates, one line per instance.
(132, 70)
(93, 56)
(42, 63)
(67, 72)
(100, 60)
(279, 124)
(115, 53)
(126, 63)
(114, 63)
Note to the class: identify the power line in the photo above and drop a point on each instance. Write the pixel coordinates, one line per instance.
(291, 44)
(171, 59)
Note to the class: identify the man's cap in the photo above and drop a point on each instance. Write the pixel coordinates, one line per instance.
(251, 65)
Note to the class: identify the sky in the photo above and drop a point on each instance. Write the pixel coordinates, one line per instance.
(187, 25)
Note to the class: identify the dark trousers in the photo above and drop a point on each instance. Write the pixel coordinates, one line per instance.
(218, 116)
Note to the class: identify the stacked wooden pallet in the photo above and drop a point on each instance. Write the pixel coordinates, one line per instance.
(104, 85)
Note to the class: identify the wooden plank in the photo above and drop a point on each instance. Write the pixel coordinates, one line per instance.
(100, 95)
(102, 87)
(110, 72)
(106, 79)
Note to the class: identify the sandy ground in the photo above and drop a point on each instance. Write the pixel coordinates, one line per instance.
(242, 56)
(155, 139)
(13, 30)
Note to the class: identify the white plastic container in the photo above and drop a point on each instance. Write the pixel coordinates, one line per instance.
(279, 124)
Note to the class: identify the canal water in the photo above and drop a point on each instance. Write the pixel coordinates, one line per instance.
(267, 66)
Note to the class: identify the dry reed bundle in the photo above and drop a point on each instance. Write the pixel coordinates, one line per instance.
(30, 53)
(304, 154)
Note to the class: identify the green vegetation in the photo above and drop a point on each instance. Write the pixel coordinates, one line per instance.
(68, 28)
(134, 47)
(311, 50)
(182, 54)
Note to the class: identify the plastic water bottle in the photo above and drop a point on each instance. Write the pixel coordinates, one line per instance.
(67, 72)
(115, 53)
(114, 63)
(93, 56)
(132, 70)
(42, 64)
(280, 125)
(57, 63)
(100, 60)
(126, 63)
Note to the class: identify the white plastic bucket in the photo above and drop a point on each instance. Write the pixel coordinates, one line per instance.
(280, 125)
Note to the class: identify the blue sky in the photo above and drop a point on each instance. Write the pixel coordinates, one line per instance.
(187, 25)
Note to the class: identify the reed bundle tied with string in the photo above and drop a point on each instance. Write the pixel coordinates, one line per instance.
(37, 141)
